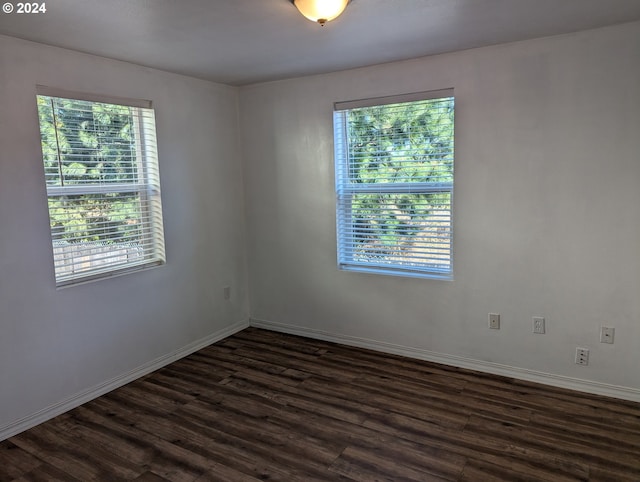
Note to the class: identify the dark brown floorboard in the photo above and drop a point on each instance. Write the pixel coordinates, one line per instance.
(268, 406)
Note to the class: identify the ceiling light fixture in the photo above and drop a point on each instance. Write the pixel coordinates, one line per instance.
(321, 11)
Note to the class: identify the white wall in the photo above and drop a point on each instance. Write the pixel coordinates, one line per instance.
(547, 209)
(546, 219)
(55, 344)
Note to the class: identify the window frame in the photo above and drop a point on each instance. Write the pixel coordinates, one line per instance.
(345, 190)
(146, 185)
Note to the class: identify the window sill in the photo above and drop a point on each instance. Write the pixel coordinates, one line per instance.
(437, 275)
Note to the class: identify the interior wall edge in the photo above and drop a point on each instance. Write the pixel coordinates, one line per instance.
(85, 396)
(560, 381)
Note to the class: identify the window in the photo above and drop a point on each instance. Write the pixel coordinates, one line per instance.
(394, 184)
(103, 186)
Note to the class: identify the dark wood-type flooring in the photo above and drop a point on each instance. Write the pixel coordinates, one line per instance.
(266, 406)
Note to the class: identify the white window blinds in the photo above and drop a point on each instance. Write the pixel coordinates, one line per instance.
(394, 184)
(103, 187)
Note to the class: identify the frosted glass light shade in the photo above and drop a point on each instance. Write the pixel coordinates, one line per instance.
(321, 11)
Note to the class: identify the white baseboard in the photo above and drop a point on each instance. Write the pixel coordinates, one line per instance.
(102, 388)
(561, 381)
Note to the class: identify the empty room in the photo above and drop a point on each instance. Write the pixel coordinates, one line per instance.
(296, 240)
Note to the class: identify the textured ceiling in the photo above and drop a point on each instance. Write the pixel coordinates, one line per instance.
(241, 42)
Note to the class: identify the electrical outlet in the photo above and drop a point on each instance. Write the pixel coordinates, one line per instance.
(494, 321)
(227, 292)
(606, 334)
(538, 325)
(582, 356)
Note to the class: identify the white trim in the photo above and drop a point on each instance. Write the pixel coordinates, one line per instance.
(91, 97)
(85, 396)
(561, 381)
(393, 99)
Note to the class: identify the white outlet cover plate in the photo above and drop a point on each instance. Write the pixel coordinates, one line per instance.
(494, 321)
(607, 334)
(582, 356)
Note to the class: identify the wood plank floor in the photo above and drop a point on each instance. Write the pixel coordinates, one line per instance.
(266, 406)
